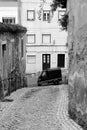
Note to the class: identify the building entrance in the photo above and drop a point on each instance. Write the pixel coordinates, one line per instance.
(45, 61)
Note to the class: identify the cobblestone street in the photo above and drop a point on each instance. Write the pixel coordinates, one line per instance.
(40, 109)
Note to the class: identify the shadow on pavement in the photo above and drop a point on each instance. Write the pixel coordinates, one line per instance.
(30, 93)
(7, 100)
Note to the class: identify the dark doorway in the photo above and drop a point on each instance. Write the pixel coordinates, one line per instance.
(61, 60)
(3, 49)
(45, 61)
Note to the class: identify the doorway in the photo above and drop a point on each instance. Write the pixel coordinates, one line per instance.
(45, 61)
(61, 60)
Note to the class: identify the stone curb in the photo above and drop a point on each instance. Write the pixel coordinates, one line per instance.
(62, 114)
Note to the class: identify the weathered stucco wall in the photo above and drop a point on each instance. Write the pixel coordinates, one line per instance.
(12, 62)
(77, 41)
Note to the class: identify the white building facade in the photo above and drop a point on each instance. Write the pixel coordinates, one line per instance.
(46, 42)
(9, 11)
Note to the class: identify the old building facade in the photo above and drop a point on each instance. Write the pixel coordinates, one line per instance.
(12, 56)
(46, 42)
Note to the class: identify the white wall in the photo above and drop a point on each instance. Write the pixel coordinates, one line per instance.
(39, 26)
(8, 9)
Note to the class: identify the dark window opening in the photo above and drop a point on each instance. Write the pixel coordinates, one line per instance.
(61, 60)
(3, 49)
(8, 20)
(22, 48)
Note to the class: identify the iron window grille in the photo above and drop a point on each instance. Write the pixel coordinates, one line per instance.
(8, 20)
(46, 15)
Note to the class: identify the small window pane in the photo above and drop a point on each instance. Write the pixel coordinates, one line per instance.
(48, 59)
(44, 59)
(44, 16)
(48, 16)
(43, 74)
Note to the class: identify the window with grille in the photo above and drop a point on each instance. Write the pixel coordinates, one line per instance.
(8, 20)
(46, 15)
(31, 38)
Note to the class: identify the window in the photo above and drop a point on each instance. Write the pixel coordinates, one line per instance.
(61, 60)
(22, 48)
(3, 49)
(8, 20)
(30, 15)
(31, 38)
(46, 38)
(31, 59)
(46, 15)
(43, 74)
(60, 14)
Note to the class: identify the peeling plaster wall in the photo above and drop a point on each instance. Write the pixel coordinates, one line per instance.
(77, 40)
(12, 63)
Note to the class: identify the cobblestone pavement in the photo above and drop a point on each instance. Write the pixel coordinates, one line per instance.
(40, 109)
(4, 106)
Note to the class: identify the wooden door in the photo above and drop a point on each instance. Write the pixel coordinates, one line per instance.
(45, 61)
